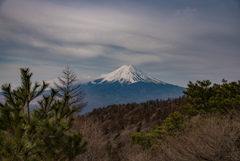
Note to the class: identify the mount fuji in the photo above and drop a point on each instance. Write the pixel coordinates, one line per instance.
(127, 84)
(127, 74)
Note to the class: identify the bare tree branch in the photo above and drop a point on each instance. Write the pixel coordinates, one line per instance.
(68, 85)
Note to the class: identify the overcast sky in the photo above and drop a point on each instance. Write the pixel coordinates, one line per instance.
(175, 41)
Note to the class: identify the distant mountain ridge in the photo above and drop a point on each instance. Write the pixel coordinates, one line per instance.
(127, 84)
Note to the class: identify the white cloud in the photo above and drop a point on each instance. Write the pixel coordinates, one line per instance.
(183, 38)
(46, 23)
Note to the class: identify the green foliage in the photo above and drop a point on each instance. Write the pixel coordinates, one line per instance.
(139, 127)
(42, 134)
(173, 124)
(203, 98)
(143, 139)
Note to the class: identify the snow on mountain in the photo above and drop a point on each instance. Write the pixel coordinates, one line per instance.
(126, 74)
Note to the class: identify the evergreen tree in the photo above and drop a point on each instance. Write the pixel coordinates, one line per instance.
(173, 125)
(202, 98)
(197, 97)
(40, 134)
(67, 86)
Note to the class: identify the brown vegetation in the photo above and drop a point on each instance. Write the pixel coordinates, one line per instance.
(214, 138)
(107, 129)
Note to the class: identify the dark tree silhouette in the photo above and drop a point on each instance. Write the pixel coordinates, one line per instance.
(68, 85)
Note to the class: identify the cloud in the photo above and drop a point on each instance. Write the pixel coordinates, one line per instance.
(46, 30)
(177, 37)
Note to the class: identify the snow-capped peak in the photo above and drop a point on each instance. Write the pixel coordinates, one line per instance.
(127, 74)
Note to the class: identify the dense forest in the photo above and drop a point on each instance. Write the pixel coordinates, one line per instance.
(203, 124)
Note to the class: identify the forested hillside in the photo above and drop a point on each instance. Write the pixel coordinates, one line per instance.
(107, 129)
(203, 125)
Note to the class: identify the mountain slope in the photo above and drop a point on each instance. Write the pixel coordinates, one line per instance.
(126, 74)
(125, 85)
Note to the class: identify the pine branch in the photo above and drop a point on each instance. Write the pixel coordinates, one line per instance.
(6, 88)
(43, 88)
(30, 138)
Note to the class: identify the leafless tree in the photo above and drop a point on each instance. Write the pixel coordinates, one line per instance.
(68, 85)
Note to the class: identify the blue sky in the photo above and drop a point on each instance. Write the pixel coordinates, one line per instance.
(175, 41)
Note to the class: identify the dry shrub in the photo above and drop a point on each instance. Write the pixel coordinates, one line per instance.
(210, 139)
(93, 135)
(206, 138)
(107, 129)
